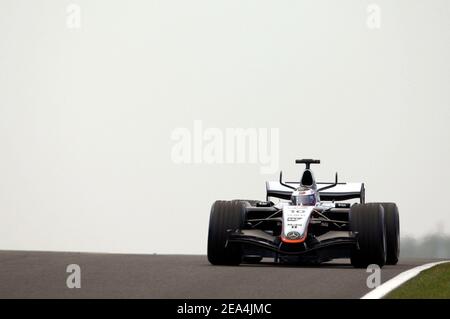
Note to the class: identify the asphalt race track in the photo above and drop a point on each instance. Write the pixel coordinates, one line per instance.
(43, 275)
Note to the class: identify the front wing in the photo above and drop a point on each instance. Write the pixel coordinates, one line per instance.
(331, 245)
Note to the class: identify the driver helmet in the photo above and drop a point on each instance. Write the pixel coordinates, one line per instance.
(305, 197)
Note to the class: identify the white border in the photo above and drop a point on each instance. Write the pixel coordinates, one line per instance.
(398, 280)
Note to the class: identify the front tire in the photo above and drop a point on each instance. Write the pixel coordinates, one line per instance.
(392, 222)
(225, 216)
(367, 220)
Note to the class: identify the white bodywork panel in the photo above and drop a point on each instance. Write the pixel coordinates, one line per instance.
(295, 221)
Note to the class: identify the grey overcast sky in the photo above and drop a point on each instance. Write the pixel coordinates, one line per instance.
(87, 114)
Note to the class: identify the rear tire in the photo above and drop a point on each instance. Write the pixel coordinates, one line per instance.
(225, 216)
(392, 222)
(368, 221)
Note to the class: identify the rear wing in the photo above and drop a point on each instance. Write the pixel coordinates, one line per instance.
(339, 192)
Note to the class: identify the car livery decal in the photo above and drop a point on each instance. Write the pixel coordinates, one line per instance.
(295, 223)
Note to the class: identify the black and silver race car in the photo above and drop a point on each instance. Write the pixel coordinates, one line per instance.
(312, 223)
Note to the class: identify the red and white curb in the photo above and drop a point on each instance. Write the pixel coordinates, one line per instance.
(388, 286)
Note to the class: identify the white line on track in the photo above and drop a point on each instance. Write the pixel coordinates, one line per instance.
(398, 280)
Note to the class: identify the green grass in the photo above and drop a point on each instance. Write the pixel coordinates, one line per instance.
(433, 283)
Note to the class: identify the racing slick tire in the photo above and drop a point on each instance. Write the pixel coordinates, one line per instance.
(367, 220)
(225, 216)
(392, 222)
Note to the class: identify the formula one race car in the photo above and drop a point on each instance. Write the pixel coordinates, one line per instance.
(312, 223)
